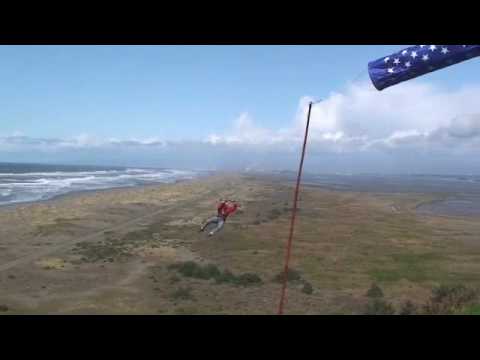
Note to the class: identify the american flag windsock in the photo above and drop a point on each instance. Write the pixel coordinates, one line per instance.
(416, 61)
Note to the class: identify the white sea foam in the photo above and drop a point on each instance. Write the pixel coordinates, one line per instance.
(34, 186)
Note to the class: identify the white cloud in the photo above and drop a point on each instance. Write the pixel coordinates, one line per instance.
(83, 141)
(362, 118)
(244, 131)
(359, 118)
(410, 127)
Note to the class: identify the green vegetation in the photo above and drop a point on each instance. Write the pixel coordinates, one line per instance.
(292, 276)
(114, 248)
(450, 299)
(100, 251)
(247, 279)
(307, 288)
(413, 267)
(375, 292)
(445, 300)
(274, 214)
(472, 310)
(208, 272)
(379, 307)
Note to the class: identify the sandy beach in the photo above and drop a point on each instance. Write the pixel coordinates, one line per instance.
(119, 251)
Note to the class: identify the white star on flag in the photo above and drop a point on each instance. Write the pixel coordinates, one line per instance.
(409, 63)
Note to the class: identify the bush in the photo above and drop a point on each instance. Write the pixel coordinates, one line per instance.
(225, 277)
(210, 271)
(307, 288)
(408, 308)
(194, 270)
(248, 279)
(379, 307)
(274, 214)
(450, 299)
(4, 308)
(375, 292)
(292, 276)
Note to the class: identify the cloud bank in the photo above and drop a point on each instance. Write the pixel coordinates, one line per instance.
(361, 119)
(412, 127)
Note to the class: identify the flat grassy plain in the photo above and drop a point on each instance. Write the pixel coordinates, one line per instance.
(123, 251)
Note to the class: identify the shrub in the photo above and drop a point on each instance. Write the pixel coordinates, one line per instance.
(292, 276)
(211, 271)
(225, 277)
(379, 307)
(248, 279)
(450, 299)
(190, 269)
(275, 213)
(307, 288)
(375, 292)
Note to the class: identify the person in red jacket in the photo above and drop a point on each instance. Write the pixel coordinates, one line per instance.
(224, 209)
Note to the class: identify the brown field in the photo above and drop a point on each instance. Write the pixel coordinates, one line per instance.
(111, 252)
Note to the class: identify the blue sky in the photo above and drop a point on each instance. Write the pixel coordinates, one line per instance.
(177, 93)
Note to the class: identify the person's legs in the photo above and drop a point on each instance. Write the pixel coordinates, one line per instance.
(212, 220)
(220, 224)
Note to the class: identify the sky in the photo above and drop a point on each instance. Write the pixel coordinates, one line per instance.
(234, 107)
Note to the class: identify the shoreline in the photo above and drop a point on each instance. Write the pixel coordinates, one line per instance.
(78, 193)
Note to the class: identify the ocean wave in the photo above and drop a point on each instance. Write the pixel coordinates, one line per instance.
(5, 192)
(60, 173)
(35, 186)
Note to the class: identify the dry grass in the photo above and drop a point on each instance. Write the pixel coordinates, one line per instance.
(343, 243)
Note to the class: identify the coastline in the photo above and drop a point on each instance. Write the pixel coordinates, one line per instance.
(78, 193)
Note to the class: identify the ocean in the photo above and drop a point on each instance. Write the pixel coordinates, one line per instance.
(21, 183)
